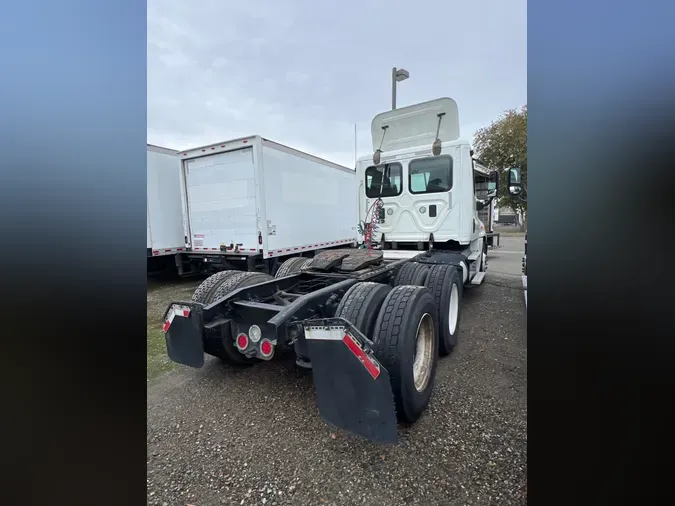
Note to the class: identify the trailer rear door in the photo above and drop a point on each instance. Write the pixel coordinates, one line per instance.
(221, 200)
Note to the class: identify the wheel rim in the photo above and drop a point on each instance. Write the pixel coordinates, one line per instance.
(424, 352)
(453, 310)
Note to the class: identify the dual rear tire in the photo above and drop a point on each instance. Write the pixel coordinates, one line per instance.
(410, 326)
(445, 284)
(220, 342)
(292, 266)
(403, 324)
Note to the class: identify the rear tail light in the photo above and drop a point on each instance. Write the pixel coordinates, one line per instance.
(266, 348)
(259, 237)
(242, 341)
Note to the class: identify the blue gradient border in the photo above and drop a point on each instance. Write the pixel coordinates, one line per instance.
(600, 102)
(72, 201)
(72, 193)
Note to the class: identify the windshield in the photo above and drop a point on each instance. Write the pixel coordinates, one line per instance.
(383, 180)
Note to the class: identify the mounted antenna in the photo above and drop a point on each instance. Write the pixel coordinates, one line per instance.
(436, 146)
(377, 156)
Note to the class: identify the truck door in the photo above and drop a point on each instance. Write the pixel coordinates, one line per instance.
(221, 200)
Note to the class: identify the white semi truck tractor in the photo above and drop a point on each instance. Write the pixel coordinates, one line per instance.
(370, 322)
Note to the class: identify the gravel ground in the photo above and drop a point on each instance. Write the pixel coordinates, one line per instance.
(222, 435)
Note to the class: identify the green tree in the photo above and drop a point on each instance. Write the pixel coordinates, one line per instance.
(501, 145)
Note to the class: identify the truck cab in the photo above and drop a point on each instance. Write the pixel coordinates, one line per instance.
(418, 191)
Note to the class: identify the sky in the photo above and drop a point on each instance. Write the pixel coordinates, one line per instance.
(305, 75)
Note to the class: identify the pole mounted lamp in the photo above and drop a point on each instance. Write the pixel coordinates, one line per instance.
(397, 75)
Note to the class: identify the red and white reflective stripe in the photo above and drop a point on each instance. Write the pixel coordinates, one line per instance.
(165, 251)
(366, 360)
(309, 247)
(227, 250)
(337, 333)
(183, 311)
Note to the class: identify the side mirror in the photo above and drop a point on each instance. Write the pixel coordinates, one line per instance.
(480, 205)
(515, 184)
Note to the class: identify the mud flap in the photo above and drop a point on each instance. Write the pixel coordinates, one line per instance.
(183, 333)
(352, 388)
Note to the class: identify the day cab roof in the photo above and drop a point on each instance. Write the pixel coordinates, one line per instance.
(415, 126)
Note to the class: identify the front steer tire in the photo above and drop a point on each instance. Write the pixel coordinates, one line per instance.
(406, 309)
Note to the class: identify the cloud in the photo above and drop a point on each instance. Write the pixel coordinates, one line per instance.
(305, 76)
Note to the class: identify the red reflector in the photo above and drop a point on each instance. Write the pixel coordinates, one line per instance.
(266, 347)
(372, 367)
(242, 341)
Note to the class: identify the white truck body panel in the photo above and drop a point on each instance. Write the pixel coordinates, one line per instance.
(165, 234)
(265, 198)
(406, 224)
(309, 202)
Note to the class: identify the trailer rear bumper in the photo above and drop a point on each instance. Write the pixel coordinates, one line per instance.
(353, 389)
(183, 331)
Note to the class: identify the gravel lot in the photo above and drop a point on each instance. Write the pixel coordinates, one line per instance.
(222, 435)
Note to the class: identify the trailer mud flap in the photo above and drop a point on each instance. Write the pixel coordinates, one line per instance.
(352, 388)
(183, 334)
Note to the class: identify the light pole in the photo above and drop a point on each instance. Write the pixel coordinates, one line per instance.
(397, 75)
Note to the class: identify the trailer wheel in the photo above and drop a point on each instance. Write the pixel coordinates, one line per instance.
(220, 343)
(361, 304)
(445, 284)
(413, 274)
(210, 284)
(292, 266)
(406, 343)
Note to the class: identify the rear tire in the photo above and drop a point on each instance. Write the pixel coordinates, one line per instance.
(361, 305)
(412, 274)
(210, 285)
(408, 319)
(220, 343)
(445, 284)
(292, 266)
(237, 281)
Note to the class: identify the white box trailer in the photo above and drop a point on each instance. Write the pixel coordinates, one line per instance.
(165, 234)
(249, 202)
